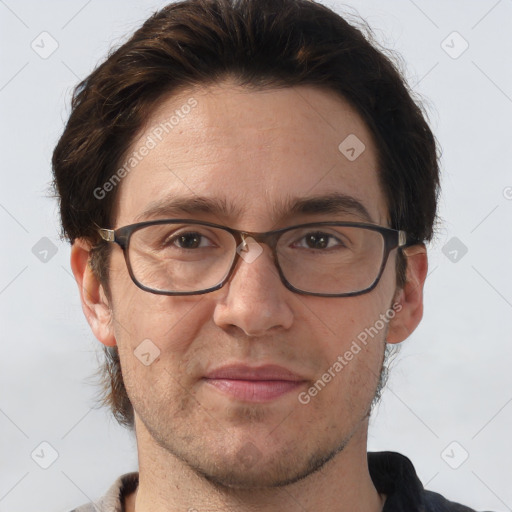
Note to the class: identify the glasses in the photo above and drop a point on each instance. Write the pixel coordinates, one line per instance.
(190, 257)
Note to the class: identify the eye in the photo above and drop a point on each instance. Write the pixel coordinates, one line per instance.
(319, 240)
(188, 240)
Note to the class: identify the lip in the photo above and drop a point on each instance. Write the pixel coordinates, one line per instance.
(254, 384)
(244, 372)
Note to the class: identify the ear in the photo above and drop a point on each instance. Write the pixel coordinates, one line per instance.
(409, 299)
(95, 304)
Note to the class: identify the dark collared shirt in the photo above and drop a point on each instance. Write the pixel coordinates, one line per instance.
(395, 476)
(392, 474)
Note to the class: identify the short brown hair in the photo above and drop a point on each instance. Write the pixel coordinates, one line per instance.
(261, 44)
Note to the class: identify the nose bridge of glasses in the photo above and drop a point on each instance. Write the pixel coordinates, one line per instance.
(249, 249)
(268, 238)
(249, 245)
(251, 238)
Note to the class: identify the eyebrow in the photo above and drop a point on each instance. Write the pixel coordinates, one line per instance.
(333, 203)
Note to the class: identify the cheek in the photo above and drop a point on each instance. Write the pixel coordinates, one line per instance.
(155, 338)
(337, 322)
(350, 336)
(171, 323)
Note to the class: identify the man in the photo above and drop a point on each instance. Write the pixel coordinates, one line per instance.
(248, 186)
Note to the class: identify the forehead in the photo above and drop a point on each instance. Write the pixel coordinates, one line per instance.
(253, 152)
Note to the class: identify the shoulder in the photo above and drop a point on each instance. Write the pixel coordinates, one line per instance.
(394, 475)
(434, 502)
(113, 499)
(89, 507)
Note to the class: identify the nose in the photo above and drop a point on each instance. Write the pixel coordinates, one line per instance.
(254, 299)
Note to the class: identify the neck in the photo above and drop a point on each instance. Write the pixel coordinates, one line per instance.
(168, 484)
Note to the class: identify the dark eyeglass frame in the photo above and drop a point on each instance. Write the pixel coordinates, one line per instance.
(393, 239)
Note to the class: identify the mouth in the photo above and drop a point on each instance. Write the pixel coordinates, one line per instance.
(254, 384)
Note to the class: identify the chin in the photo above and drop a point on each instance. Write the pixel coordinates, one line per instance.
(250, 469)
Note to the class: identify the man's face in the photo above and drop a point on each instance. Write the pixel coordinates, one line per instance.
(255, 151)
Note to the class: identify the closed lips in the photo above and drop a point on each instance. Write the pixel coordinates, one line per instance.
(266, 373)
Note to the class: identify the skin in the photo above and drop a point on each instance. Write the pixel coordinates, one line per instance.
(253, 148)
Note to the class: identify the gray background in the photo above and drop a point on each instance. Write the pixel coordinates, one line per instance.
(452, 380)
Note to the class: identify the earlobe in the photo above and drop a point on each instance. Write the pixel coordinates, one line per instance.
(410, 297)
(95, 304)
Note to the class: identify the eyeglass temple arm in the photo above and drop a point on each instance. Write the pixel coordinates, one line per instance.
(404, 241)
(107, 234)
